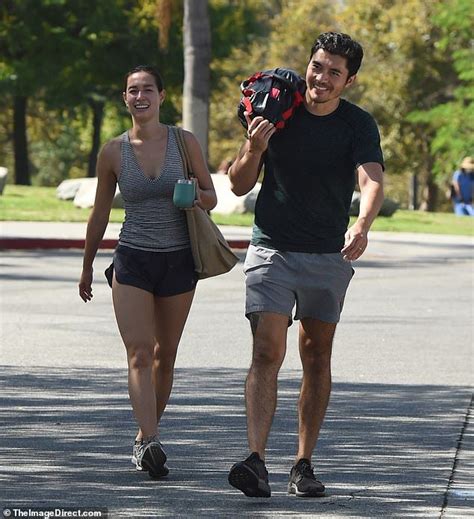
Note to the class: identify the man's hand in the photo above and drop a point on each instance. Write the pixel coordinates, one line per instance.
(355, 242)
(259, 132)
(371, 199)
(243, 174)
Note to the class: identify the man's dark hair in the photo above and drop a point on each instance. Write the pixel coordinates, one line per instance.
(150, 70)
(342, 45)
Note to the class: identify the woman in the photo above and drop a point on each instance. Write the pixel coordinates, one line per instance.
(152, 275)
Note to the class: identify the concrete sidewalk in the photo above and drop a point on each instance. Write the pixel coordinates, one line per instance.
(67, 235)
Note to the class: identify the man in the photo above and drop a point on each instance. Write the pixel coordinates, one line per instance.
(301, 250)
(463, 187)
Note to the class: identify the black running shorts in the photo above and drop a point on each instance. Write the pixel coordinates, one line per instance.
(163, 274)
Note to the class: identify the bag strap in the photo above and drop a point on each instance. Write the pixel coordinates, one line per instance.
(183, 151)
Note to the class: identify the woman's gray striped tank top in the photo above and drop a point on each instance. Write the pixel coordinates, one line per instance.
(152, 222)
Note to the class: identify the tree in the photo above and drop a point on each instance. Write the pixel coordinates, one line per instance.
(104, 51)
(71, 58)
(240, 32)
(197, 57)
(453, 120)
(30, 34)
(293, 31)
(403, 71)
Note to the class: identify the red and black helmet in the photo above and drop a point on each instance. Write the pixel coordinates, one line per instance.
(273, 94)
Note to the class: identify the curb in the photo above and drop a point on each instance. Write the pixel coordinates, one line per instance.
(59, 243)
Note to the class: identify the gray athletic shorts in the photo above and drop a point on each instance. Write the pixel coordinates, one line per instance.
(276, 281)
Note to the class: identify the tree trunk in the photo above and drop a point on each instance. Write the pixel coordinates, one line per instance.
(97, 117)
(429, 192)
(430, 196)
(20, 141)
(197, 57)
(413, 192)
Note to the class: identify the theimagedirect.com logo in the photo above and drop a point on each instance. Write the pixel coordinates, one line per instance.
(20, 512)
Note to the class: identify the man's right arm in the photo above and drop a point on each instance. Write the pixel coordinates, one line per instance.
(243, 173)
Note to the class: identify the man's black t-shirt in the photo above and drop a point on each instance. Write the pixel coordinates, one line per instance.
(304, 201)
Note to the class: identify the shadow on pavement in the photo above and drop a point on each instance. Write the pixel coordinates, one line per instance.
(385, 450)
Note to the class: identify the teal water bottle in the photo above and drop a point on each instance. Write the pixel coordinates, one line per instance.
(184, 193)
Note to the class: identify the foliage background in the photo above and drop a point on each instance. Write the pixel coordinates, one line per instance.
(68, 57)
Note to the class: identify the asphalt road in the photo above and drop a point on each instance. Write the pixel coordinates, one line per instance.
(397, 440)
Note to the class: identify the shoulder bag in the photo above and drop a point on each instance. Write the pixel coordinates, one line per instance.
(211, 253)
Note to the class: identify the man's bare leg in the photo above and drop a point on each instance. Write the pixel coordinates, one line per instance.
(315, 343)
(269, 347)
(315, 351)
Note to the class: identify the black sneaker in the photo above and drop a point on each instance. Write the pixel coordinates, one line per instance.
(302, 481)
(251, 477)
(151, 457)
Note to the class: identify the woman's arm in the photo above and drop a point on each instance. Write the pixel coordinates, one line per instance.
(205, 193)
(99, 217)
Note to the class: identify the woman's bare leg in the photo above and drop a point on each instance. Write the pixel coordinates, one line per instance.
(135, 314)
(171, 314)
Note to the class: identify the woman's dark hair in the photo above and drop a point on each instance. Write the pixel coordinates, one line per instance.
(342, 45)
(150, 70)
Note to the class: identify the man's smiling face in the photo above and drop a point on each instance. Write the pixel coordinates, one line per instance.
(326, 78)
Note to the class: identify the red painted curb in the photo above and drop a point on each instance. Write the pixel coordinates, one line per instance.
(59, 243)
(50, 243)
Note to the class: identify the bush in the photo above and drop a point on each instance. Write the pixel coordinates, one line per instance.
(56, 161)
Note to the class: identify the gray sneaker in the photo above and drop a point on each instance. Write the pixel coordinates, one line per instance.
(136, 446)
(151, 457)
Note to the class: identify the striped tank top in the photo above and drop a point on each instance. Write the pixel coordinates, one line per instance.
(152, 222)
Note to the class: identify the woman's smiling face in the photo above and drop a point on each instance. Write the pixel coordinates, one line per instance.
(142, 97)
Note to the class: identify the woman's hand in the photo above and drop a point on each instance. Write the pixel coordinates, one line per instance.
(85, 285)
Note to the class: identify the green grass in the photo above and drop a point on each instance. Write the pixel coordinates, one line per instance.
(423, 222)
(39, 204)
(26, 203)
(244, 220)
